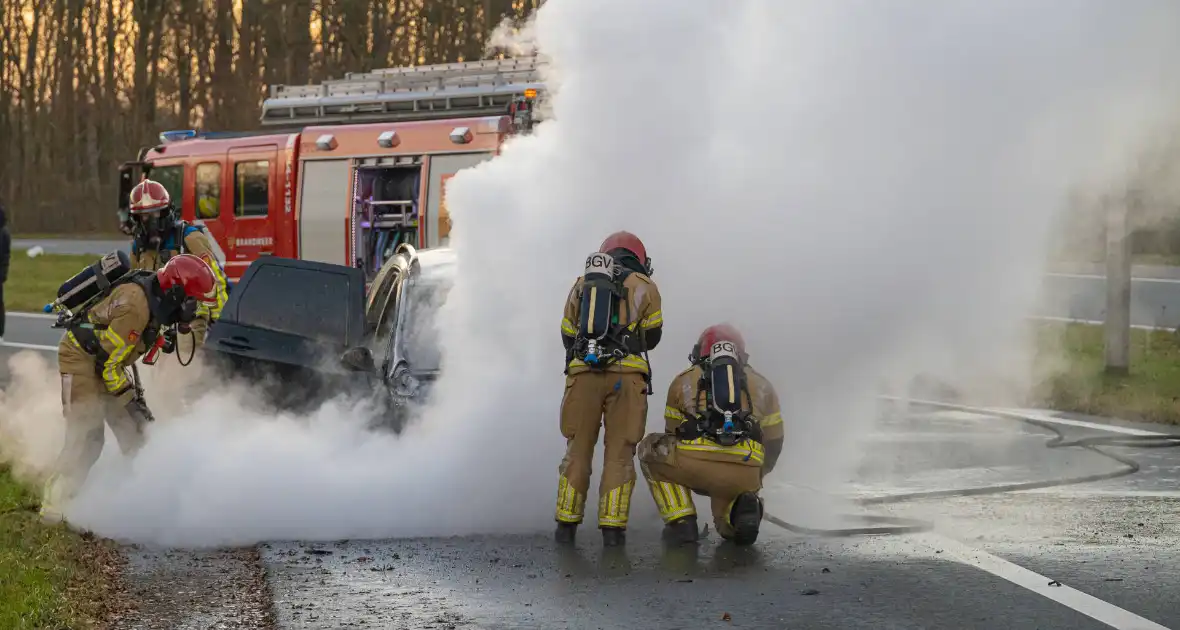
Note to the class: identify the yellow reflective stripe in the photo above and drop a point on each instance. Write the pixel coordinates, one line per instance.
(673, 413)
(771, 420)
(653, 320)
(569, 502)
(112, 373)
(615, 506)
(657, 493)
(732, 389)
(630, 360)
(222, 296)
(746, 449)
(590, 313)
(672, 500)
(567, 327)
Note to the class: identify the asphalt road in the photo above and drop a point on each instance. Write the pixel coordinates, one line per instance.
(23, 329)
(1097, 555)
(1094, 556)
(71, 246)
(1155, 302)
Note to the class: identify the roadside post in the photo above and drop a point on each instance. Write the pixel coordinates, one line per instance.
(1118, 283)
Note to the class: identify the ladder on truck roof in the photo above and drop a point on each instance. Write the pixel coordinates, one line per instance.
(447, 90)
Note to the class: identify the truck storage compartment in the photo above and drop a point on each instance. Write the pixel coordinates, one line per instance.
(385, 213)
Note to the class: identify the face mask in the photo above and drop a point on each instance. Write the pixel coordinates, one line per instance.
(187, 312)
(177, 308)
(152, 226)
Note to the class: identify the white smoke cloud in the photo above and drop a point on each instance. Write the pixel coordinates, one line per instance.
(864, 188)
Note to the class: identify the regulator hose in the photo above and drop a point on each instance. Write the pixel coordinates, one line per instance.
(888, 525)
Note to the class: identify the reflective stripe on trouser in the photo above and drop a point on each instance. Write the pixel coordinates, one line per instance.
(617, 403)
(665, 466)
(86, 405)
(673, 500)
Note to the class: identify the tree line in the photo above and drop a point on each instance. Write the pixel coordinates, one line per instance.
(84, 84)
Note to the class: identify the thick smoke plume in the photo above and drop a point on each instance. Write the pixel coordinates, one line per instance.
(864, 188)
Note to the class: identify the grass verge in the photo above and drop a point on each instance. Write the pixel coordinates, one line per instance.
(51, 577)
(1073, 358)
(33, 282)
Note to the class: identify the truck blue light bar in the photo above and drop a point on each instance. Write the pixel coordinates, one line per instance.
(173, 136)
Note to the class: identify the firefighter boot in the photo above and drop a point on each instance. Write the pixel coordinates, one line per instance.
(564, 534)
(613, 536)
(746, 517)
(682, 531)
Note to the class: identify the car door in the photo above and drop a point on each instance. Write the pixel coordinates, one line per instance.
(250, 229)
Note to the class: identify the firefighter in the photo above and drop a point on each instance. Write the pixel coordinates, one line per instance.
(612, 319)
(724, 433)
(99, 344)
(160, 234)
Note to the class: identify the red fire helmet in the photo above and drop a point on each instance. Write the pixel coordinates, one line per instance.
(720, 332)
(193, 275)
(627, 241)
(149, 196)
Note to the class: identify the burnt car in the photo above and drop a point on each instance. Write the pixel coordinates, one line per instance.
(300, 332)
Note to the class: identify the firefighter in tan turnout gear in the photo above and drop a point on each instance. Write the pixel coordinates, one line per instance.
(724, 433)
(159, 235)
(612, 319)
(101, 342)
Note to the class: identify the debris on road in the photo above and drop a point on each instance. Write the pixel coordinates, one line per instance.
(182, 590)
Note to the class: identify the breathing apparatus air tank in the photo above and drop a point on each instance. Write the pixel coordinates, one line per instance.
(726, 380)
(599, 302)
(90, 283)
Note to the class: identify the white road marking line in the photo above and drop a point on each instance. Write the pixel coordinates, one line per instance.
(1136, 494)
(1044, 417)
(969, 417)
(27, 346)
(1088, 605)
(1091, 322)
(1103, 278)
(1030, 414)
(30, 315)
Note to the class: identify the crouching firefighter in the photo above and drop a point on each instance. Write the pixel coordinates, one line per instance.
(113, 315)
(724, 433)
(612, 319)
(159, 234)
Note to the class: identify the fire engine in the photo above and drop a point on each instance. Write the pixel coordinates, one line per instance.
(344, 171)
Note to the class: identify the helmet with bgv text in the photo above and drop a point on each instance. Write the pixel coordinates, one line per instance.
(714, 334)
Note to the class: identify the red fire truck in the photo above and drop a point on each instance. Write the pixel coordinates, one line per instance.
(345, 171)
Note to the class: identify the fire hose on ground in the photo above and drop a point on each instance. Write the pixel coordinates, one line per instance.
(871, 524)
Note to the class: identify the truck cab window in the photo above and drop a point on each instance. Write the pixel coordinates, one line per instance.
(172, 179)
(208, 190)
(251, 188)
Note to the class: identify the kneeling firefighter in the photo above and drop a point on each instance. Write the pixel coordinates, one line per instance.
(612, 319)
(118, 318)
(159, 234)
(724, 434)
